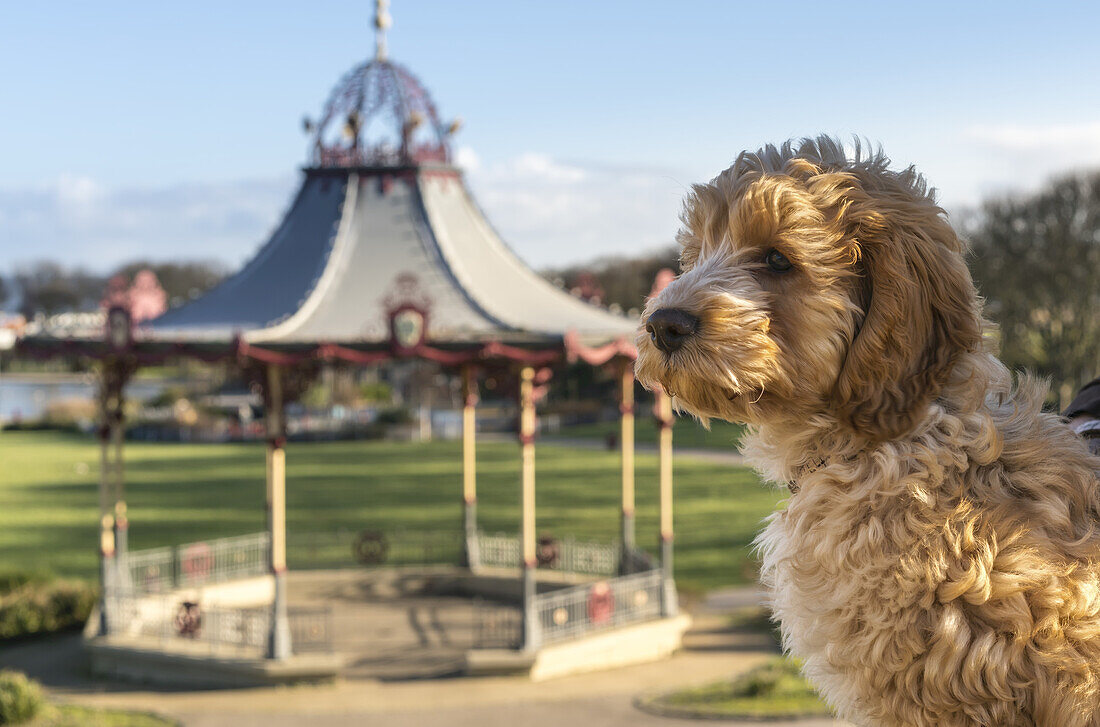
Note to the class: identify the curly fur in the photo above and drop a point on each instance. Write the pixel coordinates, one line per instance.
(940, 562)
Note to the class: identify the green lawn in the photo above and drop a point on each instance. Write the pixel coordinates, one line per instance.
(774, 690)
(686, 433)
(184, 492)
(66, 715)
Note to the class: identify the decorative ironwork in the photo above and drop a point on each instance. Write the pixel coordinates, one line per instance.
(501, 550)
(496, 626)
(570, 613)
(194, 564)
(407, 306)
(601, 603)
(371, 547)
(547, 551)
(189, 620)
(310, 629)
(165, 617)
(379, 115)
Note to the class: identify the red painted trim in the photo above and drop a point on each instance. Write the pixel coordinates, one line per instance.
(331, 351)
(145, 353)
(598, 355)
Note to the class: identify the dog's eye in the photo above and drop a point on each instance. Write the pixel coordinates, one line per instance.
(777, 261)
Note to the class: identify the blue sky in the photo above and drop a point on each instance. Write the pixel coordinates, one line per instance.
(172, 130)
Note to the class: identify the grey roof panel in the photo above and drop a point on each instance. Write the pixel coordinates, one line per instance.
(502, 284)
(386, 238)
(273, 284)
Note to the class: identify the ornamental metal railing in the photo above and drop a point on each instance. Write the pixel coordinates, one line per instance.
(160, 570)
(151, 571)
(577, 611)
(498, 550)
(497, 627)
(574, 612)
(374, 547)
(169, 619)
(569, 555)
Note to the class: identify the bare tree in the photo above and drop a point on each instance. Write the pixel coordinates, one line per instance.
(1037, 262)
(182, 281)
(48, 287)
(624, 281)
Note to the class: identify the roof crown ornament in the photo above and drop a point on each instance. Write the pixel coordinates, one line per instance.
(379, 115)
(382, 22)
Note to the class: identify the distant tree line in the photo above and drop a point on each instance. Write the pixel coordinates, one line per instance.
(47, 287)
(620, 281)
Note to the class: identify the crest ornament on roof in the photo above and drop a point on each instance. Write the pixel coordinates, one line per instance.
(379, 115)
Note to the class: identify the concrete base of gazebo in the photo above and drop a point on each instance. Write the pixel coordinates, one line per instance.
(197, 666)
(133, 652)
(635, 644)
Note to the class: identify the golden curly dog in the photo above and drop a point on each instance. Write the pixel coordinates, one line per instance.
(938, 561)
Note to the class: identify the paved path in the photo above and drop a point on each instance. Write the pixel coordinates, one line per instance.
(387, 689)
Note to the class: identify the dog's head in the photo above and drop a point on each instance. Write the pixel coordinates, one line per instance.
(811, 283)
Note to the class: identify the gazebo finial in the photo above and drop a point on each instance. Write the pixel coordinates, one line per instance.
(382, 21)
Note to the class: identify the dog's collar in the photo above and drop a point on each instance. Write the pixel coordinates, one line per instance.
(805, 471)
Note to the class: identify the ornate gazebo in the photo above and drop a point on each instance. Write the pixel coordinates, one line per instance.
(383, 254)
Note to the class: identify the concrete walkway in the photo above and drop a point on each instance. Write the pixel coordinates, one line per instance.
(389, 686)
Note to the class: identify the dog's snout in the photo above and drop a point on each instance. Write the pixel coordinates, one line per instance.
(670, 327)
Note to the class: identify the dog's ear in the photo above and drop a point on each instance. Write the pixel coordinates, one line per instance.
(920, 313)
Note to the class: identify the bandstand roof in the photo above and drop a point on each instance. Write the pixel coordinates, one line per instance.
(383, 221)
(384, 236)
(359, 242)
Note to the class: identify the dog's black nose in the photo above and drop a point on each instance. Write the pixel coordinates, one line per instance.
(670, 327)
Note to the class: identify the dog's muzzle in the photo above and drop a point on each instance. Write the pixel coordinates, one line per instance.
(670, 327)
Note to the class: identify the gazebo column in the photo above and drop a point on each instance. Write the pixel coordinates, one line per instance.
(106, 513)
(626, 408)
(114, 575)
(469, 466)
(121, 523)
(663, 411)
(531, 636)
(278, 644)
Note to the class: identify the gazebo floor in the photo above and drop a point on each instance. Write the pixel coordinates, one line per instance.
(394, 624)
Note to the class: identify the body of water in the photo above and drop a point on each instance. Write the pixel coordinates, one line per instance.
(25, 397)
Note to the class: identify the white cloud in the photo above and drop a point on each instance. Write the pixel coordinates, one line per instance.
(533, 166)
(467, 159)
(1039, 138)
(553, 212)
(78, 221)
(1019, 158)
(77, 193)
